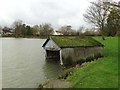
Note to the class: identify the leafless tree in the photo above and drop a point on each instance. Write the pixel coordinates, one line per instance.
(46, 29)
(17, 25)
(67, 30)
(97, 13)
(80, 30)
(36, 30)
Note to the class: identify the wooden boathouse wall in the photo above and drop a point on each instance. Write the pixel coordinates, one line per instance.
(77, 53)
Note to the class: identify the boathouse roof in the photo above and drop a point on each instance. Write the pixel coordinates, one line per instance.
(74, 41)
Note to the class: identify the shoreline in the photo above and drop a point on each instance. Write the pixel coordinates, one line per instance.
(25, 37)
(12, 36)
(62, 78)
(59, 81)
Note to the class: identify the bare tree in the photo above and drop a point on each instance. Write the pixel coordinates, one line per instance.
(46, 29)
(17, 25)
(36, 30)
(80, 30)
(97, 14)
(66, 30)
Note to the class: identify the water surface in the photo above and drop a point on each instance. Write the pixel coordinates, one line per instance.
(0, 63)
(24, 64)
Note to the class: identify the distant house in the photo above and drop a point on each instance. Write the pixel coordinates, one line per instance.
(7, 31)
(71, 48)
(56, 33)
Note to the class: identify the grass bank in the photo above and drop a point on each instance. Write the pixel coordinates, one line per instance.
(102, 73)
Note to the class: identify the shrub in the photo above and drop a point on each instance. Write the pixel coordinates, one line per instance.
(81, 61)
(118, 33)
(40, 86)
(97, 55)
(89, 59)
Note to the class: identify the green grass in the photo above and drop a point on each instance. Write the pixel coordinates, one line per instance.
(102, 73)
(71, 41)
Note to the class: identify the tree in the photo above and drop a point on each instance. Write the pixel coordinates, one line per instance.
(36, 30)
(17, 28)
(80, 30)
(113, 20)
(46, 29)
(28, 31)
(66, 30)
(97, 14)
(23, 30)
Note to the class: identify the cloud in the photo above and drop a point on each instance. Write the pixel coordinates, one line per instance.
(56, 12)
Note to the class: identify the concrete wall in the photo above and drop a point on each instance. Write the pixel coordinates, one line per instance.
(79, 52)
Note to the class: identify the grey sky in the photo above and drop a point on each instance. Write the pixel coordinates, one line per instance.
(56, 12)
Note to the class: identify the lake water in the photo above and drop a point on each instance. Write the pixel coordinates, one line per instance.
(0, 64)
(24, 64)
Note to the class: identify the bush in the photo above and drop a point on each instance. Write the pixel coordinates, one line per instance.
(40, 86)
(81, 61)
(97, 55)
(118, 33)
(89, 59)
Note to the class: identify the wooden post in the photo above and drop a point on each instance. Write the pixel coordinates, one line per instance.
(61, 62)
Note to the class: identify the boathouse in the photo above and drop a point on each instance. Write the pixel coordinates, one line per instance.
(71, 48)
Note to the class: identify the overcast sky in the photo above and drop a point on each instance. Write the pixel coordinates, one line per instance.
(56, 12)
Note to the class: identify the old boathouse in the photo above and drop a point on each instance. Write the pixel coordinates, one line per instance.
(71, 48)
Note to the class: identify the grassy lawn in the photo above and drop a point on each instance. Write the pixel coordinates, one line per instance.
(102, 73)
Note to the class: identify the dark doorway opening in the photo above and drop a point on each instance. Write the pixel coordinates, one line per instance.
(53, 55)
